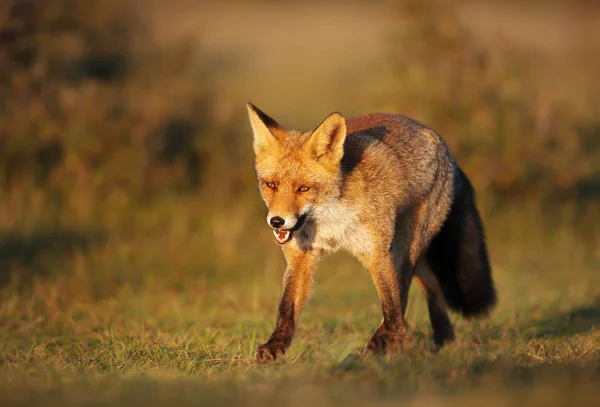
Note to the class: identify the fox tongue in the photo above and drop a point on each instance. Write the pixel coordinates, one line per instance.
(282, 236)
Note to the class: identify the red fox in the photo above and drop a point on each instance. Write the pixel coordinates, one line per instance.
(387, 189)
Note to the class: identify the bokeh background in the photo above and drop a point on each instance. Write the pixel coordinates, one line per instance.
(128, 199)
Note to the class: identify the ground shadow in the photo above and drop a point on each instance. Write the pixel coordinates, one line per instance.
(578, 320)
(34, 254)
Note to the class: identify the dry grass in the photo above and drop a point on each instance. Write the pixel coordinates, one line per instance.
(195, 340)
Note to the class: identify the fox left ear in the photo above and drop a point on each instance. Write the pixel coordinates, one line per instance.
(327, 141)
(262, 127)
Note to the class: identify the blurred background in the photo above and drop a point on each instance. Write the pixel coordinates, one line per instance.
(126, 166)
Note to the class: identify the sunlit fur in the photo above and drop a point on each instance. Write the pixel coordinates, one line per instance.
(383, 187)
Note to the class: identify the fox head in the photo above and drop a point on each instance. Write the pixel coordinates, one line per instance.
(296, 171)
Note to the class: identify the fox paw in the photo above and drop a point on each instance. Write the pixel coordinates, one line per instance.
(384, 341)
(441, 339)
(269, 352)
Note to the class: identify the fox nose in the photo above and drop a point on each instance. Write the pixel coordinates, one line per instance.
(277, 221)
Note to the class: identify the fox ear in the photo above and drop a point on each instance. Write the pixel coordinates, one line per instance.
(327, 140)
(262, 127)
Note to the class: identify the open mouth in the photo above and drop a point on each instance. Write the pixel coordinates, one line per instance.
(283, 236)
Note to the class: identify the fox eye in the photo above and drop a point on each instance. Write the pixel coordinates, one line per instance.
(303, 188)
(271, 185)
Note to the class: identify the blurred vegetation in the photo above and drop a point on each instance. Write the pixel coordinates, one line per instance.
(114, 146)
(513, 139)
(103, 132)
(118, 160)
(89, 102)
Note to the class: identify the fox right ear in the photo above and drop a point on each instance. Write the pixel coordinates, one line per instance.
(262, 127)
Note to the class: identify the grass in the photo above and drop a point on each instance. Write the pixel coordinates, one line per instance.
(187, 339)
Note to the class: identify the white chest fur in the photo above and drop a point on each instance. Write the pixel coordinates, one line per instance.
(337, 227)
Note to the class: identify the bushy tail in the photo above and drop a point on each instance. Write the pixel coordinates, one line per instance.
(459, 258)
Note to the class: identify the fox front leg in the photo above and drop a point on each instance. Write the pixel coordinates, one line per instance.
(297, 280)
(392, 290)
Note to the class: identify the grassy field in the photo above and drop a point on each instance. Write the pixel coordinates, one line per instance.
(135, 264)
(66, 342)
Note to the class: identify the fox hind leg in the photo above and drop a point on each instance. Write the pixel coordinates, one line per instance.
(438, 313)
